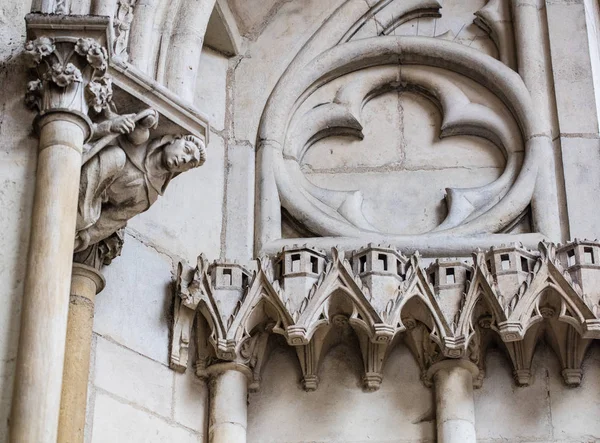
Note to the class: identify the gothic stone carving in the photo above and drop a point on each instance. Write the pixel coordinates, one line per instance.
(378, 297)
(125, 171)
(129, 159)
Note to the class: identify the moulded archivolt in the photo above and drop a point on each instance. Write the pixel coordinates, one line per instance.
(424, 64)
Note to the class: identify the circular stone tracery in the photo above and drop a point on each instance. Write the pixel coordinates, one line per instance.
(472, 211)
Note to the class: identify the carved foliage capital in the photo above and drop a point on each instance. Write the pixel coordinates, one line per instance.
(69, 74)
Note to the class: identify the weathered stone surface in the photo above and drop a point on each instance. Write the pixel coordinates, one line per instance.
(572, 68)
(339, 399)
(117, 421)
(415, 105)
(163, 224)
(581, 159)
(239, 228)
(133, 377)
(126, 301)
(211, 86)
(190, 402)
(528, 412)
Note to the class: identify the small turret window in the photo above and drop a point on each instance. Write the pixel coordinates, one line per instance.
(524, 265)
(314, 264)
(295, 262)
(362, 261)
(450, 278)
(383, 259)
(227, 277)
(571, 257)
(588, 256)
(505, 262)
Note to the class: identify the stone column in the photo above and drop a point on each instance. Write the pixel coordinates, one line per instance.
(535, 69)
(455, 411)
(86, 282)
(186, 46)
(45, 299)
(64, 67)
(228, 403)
(140, 37)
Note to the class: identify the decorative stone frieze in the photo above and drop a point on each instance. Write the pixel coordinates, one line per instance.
(377, 297)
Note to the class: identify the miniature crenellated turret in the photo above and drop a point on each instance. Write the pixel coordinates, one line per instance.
(449, 278)
(581, 260)
(229, 282)
(510, 266)
(297, 269)
(382, 270)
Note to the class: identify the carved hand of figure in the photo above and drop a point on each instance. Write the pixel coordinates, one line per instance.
(123, 124)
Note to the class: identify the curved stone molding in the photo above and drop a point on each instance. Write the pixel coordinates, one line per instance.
(377, 296)
(495, 19)
(387, 15)
(329, 213)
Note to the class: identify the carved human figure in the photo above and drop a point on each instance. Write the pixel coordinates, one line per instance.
(125, 175)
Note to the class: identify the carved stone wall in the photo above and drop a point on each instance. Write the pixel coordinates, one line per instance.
(363, 131)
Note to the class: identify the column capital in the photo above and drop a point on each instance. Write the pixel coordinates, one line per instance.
(216, 369)
(449, 364)
(93, 274)
(69, 61)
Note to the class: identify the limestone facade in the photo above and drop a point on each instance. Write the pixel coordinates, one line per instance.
(299, 221)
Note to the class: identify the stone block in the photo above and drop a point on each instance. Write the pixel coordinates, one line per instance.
(259, 71)
(239, 231)
(500, 402)
(211, 94)
(581, 163)
(575, 410)
(402, 130)
(119, 422)
(188, 219)
(339, 411)
(132, 309)
(406, 202)
(133, 377)
(572, 68)
(190, 401)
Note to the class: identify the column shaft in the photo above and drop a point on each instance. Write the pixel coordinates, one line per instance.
(85, 284)
(228, 407)
(39, 369)
(140, 37)
(455, 410)
(186, 46)
(535, 69)
(104, 7)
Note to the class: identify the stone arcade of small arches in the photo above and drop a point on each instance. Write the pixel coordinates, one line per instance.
(508, 296)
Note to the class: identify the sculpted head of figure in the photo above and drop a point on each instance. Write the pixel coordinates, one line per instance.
(184, 153)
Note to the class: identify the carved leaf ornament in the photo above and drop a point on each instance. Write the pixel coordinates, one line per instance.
(508, 295)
